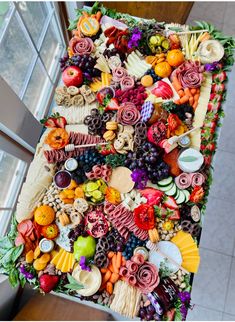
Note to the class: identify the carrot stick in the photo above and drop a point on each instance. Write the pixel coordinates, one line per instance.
(114, 262)
(98, 15)
(103, 270)
(198, 90)
(184, 99)
(119, 259)
(106, 276)
(110, 268)
(176, 83)
(114, 278)
(109, 287)
(193, 91)
(191, 100)
(196, 97)
(123, 261)
(110, 255)
(187, 92)
(195, 104)
(181, 93)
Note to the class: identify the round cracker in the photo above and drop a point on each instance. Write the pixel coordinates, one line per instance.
(121, 180)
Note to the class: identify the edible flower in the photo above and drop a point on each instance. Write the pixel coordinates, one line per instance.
(144, 217)
(185, 299)
(197, 194)
(83, 265)
(135, 37)
(25, 273)
(139, 176)
(211, 67)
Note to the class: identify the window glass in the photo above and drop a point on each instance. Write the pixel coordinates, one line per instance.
(5, 217)
(16, 56)
(5, 10)
(12, 171)
(38, 90)
(51, 47)
(34, 15)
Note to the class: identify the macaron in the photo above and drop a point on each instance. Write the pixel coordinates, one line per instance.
(112, 125)
(109, 135)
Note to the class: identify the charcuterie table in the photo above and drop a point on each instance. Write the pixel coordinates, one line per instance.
(112, 207)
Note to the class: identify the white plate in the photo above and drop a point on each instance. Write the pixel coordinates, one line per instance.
(169, 249)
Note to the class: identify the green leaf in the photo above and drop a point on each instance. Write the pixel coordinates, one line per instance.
(72, 24)
(17, 252)
(178, 316)
(188, 159)
(74, 287)
(6, 258)
(14, 277)
(5, 243)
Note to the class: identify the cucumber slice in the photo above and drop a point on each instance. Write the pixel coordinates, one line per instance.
(187, 194)
(165, 182)
(91, 186)
(177, 193)
(172, 191)
(167, 188)
(181, 198)
(97, 194)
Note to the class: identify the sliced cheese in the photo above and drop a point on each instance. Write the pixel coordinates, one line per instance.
(57, 257)
(61, 260)
(201, 110)
(191, 265)
(65, 265)
(136, 66)
(106, 79)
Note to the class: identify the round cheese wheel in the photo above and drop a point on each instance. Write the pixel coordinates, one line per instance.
(121, 180)
(190, 160)
(90, 280)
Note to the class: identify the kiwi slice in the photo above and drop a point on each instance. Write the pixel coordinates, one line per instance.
(165, 44)
(91, 186)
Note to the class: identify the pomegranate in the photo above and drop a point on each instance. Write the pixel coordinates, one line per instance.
(96, 224)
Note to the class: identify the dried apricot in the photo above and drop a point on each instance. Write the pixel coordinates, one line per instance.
(45, 258)
(29, 257)
(38, 265)
(36, 253)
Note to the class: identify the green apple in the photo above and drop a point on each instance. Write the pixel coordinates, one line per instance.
(84, 246)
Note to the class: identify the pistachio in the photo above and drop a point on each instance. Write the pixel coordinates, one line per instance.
(183, 285)
(167, 237)
(173, 276)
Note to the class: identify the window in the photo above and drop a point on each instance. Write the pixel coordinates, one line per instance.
(31, 44)
(12, 171)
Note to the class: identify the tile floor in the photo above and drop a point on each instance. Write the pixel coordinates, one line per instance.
(214, 286)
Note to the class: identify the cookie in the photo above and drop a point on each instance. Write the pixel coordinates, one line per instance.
(109, 135)
(112, 125)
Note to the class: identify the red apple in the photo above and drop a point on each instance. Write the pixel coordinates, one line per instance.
(72, 76)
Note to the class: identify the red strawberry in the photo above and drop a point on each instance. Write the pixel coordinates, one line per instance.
(170, 314)
(217, 88)
(214, 97)
(106, 149)
(220, 77)
(112, 105)
(48, 282)
(213, 106)
(210, 146)
(207, 159)
(170, 202)
(61, 122)
(49, 122)
(175, 215)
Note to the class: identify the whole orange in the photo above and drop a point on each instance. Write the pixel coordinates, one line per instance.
(44, 215)
(175, 57)
(163, 69)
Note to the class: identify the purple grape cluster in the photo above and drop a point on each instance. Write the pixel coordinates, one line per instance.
(148, 313)
(148, 158)
(64, 62)
(116, 241)
(86, 63)
(79, 230)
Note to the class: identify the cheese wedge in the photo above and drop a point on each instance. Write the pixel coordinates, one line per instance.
(106, 79)
(61, 260)
(96, 85)
(191, 265)
(57, 257)
(65, 265)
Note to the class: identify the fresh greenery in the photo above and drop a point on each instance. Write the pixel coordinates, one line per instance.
(9, 253)
(73, 284)
(164, 270)
(115, 160)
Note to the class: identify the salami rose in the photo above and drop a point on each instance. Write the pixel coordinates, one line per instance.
(127, 82)
(128, 114)
(197, 179)
(147, 278)
(183, 181)
(132, 267)
(81, 46)
(119, 73)
(190, 74)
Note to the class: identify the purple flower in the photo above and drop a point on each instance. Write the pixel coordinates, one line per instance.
(135, 37)
(83, 265)
(183, 311)
(139, 176)
(26, 274)
(211, 67)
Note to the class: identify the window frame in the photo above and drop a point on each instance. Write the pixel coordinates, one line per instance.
(52, 16)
